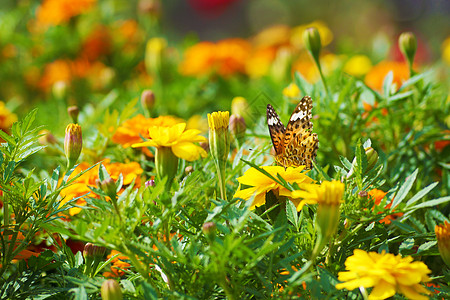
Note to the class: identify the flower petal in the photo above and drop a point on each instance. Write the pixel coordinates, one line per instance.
(188, 151)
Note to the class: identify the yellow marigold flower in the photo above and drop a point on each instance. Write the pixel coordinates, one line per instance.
(386, 273)
(260, 184)
(181, 141)
(55, 12)
(329, 197)
(132, 130)
(7, 118)
(172, 143)
(443, 239)
(358, 65)
(446, 50)
(291, 91)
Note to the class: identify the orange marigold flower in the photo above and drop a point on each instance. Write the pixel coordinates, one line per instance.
(226, 58)
(377, 196)
(55, 12)
(375, 77)
(118, 264)
(130, 171)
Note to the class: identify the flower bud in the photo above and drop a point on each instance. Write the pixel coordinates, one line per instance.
(46, 138)
(91, 250)
(209, 229)
(148, 101)
(240, 107)
(408, 45)
(219, 143)
(372, 158)
(73, 112)
(110, 290)
(311, 38)
(150, 183)
(443, 239)
(73, 143)
(363, 194)
(237, 128)
(188, 170)
(108, 185)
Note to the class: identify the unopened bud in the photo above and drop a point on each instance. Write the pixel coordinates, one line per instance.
(73, 143)
(46, 138)
(209, 229)
(73, 112)
(311, 38)
(240, 107)
(148, 101)
(150, 183)
(188, 170)
(372, 158)
(110, 290)
(108, 186)
(237, 128)
(363, 194)
(407, 43)
(91, 250)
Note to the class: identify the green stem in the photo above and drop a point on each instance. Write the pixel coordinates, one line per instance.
(222, 186)
(316, 60)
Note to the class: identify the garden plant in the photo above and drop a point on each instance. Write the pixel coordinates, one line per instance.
(137, 166)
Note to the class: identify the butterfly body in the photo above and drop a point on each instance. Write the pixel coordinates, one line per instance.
(295, 145)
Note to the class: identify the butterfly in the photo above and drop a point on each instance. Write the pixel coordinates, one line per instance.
(294, 145)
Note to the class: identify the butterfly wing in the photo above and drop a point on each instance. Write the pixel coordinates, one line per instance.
(276, 129)
(299, 143)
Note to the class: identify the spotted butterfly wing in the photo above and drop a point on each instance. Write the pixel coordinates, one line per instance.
(276, 129)
(294, 145)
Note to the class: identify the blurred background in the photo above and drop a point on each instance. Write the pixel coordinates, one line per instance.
(76, 52)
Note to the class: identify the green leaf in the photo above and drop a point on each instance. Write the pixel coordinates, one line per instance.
(345, 162)
(9, 171)
(426, 246)
(404, 189)
(7, 138)
(431, 203)
(291, 213)
(413, 80)
(421, 193)
(55, 178)
(401, 96)
(321, 171)
(387, 83)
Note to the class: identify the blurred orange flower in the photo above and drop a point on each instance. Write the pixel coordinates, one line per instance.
(130, 171)
(118, 264)
(225, 57)
(375, 77)
(55, 12)
(7, 118)
(368, 108)
(58, 70)
(377, 196)
(132, 130)
(98, 43)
